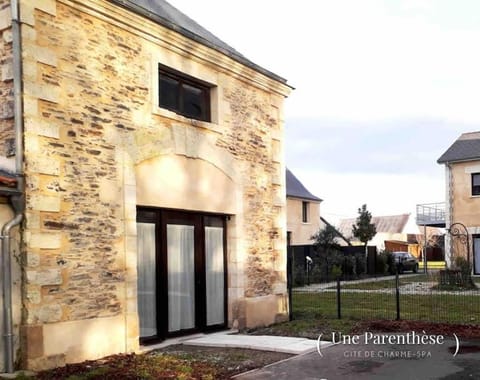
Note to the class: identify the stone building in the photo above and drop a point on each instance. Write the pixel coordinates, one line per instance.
(462, 209)
(142, 180)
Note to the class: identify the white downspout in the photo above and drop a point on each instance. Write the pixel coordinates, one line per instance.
(17, 198)
(448, 213)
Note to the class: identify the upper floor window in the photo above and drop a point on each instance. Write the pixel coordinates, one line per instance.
(305, 212)
(475, 183)
(183, 94)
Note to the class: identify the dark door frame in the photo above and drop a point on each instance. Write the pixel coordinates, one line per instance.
(161, 217)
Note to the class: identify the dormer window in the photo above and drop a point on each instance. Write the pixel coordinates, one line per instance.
(183, 94)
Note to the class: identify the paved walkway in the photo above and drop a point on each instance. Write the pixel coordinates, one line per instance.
(287, 345)
(327, 285)
(375, 362)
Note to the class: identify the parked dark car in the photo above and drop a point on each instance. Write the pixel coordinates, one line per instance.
(405, 261)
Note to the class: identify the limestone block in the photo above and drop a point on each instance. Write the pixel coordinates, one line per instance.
(7, 71)
(33, 220)
(44, 203)
(44, 277)
(42, 128)
(264, 311)
(85, 339)
(236, 293)
(129, 175)
(277, 154)
(280, 288)
(28, 33)
(40, 54)
(33, 259)
(50, 313)
(131, 227)
(30, 71)
(44, 165)
(277, 180)
(277, 134)
(110, 192)
(53, 361)
(33, 340)
(132, 306)
(130, 195)
(47, 6)
(30, 106)
(34, 296)
(130, 213)
(7, 36)
(43, 91)
(133, 344)
(27, 15)
(5, 18)
(44, 240)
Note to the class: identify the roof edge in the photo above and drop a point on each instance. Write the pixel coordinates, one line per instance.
(440, 161)
(128, 4)
(313, 198)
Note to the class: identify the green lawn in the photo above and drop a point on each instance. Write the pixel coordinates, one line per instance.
(453, 308)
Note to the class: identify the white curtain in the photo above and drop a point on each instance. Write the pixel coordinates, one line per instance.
(147, 302)
(181, 277)
(214, 275)
(476, 248)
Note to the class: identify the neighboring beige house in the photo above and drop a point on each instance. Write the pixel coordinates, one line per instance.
(142, 186)
(462, 175)
(303, 212)
(394, 233)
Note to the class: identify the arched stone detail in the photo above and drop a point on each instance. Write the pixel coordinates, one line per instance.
(184, 140)
(179, 182)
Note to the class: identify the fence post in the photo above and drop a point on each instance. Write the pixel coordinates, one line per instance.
(397, 293)
(339, 308)
(290, 282)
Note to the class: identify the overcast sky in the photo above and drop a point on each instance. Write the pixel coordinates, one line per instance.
(382, 88)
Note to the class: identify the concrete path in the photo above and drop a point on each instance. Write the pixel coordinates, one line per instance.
(287, 345)
(326, 285)
(374, 362)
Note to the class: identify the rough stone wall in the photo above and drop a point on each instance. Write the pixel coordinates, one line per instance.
(89, 119)
(6, 80)
(249, 139)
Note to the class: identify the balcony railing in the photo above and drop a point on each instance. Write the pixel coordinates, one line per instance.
(431, 214)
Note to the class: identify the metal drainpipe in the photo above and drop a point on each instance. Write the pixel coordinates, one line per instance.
(17, 201)
(7, 292)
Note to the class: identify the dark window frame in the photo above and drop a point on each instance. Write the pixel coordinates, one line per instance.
(475, 188)
(305, 212)
(185, 80)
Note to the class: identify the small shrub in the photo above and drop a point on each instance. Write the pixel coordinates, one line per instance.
(381, 264)
(336, 271)
(360, 263)
(465, 269)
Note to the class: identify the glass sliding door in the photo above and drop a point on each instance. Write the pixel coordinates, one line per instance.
(181, 272)
(146, 282)
(181, 277)
(214, 275)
